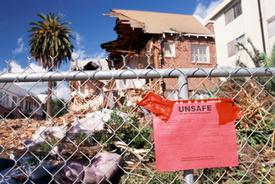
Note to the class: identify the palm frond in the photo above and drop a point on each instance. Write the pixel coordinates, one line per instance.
(42, 16)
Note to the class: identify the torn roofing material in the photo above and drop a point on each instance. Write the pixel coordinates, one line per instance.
(97, 64)
(158, 23)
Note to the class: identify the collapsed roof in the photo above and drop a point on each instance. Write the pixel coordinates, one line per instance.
(97, 64)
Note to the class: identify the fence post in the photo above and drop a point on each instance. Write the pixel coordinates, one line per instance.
(183, 95)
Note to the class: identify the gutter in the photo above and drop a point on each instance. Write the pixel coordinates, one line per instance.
(189, 34)
(261, 25)
(199, 35)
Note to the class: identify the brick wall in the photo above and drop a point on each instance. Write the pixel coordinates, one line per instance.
(183, 60)
(210, 26)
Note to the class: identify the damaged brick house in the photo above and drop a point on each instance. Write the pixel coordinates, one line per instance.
(90, 94)
(161, 40)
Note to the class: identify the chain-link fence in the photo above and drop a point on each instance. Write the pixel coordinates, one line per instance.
(95, 132)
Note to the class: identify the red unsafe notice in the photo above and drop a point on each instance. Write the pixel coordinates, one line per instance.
(196, 134)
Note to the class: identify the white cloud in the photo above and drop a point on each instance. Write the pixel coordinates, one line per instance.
(203, 10)
(16, 68)
(62, 91)
(99, 55)
(79, 54)
(20, 46)
(78, 39)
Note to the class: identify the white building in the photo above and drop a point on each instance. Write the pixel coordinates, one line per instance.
(235, 21)
(16, 102)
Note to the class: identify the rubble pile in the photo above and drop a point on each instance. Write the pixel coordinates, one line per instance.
(251, 99)
(34, 146)
(14, 131)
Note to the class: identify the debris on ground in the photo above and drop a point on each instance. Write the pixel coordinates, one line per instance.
(101, 169)
(42, 147)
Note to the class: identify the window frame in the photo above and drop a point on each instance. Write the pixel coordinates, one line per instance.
(271, 26)
(172, 49)
(233, 12)
(28, 105)
(14, 101)
(207, 55)
(230, 50)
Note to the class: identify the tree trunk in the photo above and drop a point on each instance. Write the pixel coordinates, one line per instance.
(49, 100)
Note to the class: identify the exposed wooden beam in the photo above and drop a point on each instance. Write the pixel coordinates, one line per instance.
(127, 51)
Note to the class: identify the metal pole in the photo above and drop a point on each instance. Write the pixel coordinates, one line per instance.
(183, 95)
(183, 87)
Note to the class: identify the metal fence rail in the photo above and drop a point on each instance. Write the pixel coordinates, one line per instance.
(100, 121)
(138, 73)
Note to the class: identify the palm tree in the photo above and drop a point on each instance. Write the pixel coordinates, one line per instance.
(50, 45)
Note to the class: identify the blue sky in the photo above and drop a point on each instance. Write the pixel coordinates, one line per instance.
(92, 28)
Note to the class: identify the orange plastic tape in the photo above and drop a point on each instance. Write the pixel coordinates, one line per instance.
(163, 108)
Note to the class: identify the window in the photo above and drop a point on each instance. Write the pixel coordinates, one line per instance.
(169, 49)
(233, 12)
(271, 26)
(6, 100)
(28, 105)
(21, 104)
(200, 53)
(14, 101)
(232, 48)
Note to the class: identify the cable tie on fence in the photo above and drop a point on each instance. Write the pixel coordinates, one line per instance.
(8, 66)
(29, 62)
(124, 61)
(52, 60)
